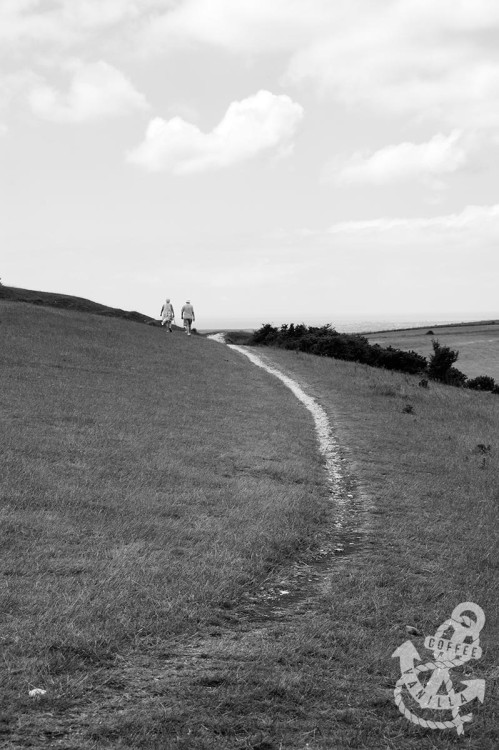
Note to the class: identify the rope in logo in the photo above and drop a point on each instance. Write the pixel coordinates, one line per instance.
(448, 653)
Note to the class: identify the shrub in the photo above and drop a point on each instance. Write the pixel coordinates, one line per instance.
(441, 361)
(395, 359)
(482, 383)
(455, 377)
(267, 334)
(325, 341)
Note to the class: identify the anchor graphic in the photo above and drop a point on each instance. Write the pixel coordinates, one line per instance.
(463, 645)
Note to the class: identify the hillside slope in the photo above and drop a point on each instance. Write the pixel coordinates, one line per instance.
(148, 480)
(68, 302)
(156, 486)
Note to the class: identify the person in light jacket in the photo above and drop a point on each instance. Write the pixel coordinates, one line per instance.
(187, 316)
(167, 315)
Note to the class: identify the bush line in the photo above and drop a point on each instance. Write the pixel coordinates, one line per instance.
(325, 341)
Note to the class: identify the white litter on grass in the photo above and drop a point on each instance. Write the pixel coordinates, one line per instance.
(36, 692)
(327, 443)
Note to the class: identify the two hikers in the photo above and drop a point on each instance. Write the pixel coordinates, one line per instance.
(168, 316)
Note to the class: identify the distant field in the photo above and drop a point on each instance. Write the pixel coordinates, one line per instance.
(478, 345)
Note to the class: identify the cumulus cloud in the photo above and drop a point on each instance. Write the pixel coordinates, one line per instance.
(427, 162)
(428, 59)
(259, 123)
(97, 91)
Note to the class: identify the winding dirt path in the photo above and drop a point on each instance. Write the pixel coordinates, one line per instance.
(327, 442)
(349, 506)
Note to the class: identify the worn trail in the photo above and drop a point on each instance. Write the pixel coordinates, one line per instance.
(348, 510)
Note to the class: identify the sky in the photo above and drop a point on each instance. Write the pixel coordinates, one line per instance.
(270, 160)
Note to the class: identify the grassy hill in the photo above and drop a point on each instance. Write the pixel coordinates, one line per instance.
(134, 507)
(68, 302)
(159, 492)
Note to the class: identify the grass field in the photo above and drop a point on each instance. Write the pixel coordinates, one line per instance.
(478, 345)
(134, 506)
(433, 542)
(152, 484)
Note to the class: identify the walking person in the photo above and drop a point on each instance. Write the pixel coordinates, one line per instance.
(167, 315)
(187, 315)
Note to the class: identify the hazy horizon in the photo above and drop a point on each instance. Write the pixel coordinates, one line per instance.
(342, 321)
(351, 323)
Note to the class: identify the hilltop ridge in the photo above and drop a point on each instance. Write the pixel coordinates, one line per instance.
(69, 302)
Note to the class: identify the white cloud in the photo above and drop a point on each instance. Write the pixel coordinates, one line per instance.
(472, 218)
(245, 26)
(97, 91)
(437, 60)
(67, 22)
(259, 123)
(86, 14)
(427, 60)
(445, 262)
(404, 162)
